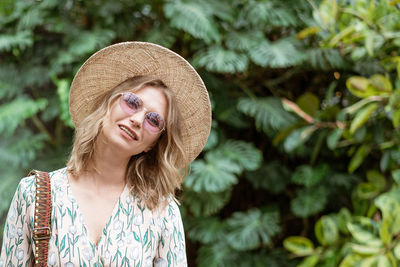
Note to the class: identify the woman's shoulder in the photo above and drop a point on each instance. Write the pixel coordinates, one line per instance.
(28, 183)
(169, 207)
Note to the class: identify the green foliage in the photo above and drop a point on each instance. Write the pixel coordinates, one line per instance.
(279, 54)
(206, 203)
(308, 202)
(14, 113)
(268, 113)
(220, 60)
(194, 18)
(251, 229)
(272, 176)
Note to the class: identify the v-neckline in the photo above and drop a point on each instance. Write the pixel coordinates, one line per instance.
(94, 244)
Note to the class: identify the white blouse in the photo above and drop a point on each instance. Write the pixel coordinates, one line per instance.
(133, 236)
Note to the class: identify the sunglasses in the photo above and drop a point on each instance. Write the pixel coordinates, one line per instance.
(131, 103)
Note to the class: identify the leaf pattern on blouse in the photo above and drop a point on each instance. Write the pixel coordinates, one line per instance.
(133, 236)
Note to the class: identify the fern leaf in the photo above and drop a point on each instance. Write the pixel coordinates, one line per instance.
(206, 230)
(31, 18)
(21, 40)
(14, 113)
(269, 114)
(309, 201)
(259, 13)
(243, 154)
(215, 174)
(206, 203)
(193, 18)
(279, 54)
(326, 59)
(272, 177)
(243, 41)
(10, 81)
(252, 228)
(20, 149)
(220, 60)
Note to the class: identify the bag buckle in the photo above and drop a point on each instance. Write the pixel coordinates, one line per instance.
(41, 233)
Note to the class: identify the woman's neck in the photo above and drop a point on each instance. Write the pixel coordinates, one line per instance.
(107, 167)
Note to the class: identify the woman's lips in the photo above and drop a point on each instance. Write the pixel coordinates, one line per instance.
(129, 132)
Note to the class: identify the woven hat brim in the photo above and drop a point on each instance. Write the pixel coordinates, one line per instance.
(114, 64)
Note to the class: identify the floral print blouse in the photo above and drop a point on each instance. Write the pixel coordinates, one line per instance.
(133, 236)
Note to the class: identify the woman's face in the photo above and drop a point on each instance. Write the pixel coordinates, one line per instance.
(128, 129)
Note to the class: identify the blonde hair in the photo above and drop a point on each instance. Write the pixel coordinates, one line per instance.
(154, 175)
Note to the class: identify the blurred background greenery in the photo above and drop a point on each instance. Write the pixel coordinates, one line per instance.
(302, 166)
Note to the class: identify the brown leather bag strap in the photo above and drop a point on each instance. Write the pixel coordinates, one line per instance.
(42, 220)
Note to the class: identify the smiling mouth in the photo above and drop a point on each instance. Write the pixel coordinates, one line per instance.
(126, 130)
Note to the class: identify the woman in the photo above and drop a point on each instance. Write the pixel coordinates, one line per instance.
(141, 114)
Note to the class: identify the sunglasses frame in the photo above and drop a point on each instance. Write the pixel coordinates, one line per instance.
(121, 99)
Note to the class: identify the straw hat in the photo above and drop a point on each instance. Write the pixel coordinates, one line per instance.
(114, 64)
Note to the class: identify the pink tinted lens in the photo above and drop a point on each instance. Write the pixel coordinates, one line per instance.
(154, 122)
(130, 103)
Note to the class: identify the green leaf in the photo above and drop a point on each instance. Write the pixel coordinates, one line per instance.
(351, 260)
(308, 202)
(396, 176)
(309, 103)
(212, 140)
(309, 261)
(365, 250)
(218, 59)
(272, 177)
(359, 157)
(63, 95)
(396, 251)
(259, 13)
(333, 138)
(308, 176)
(343, 217)
(17, 111)
(367, 190)
(215, 174)
(243, 41)
(390, 208)
(357, 85)
(325, 58)
(326, 230)
(362, 117)
(375, 177)
(194, 18)
(380, 84)
(248, 230)
(298, 137)
(268, 112)
(21, 40)
(299, 245)
(245, 155)
(364, 231)
(206, 203)
(206, 230)
(279, 54)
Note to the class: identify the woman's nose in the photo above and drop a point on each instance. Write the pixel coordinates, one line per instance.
(137, 118)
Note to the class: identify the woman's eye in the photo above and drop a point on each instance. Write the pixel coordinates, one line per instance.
(154, 119)
(134, 102)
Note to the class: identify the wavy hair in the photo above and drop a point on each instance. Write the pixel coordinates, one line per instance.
(154, 175)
